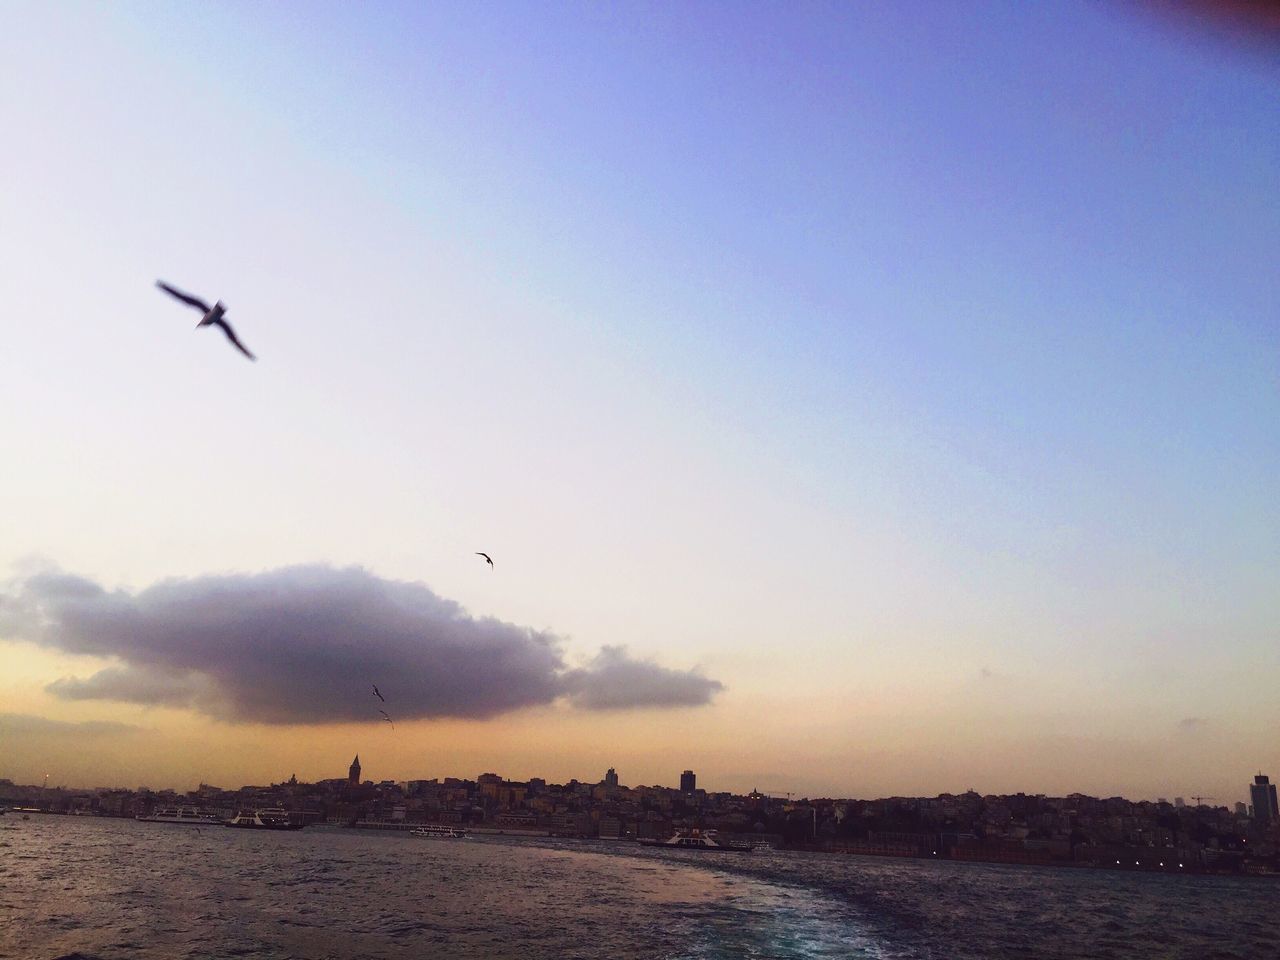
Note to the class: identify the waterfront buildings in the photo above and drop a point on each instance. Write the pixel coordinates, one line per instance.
(1016, 828)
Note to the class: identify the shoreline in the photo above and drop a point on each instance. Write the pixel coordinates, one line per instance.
(1016, 861)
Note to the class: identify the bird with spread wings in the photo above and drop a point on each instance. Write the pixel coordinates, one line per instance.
(212, 315)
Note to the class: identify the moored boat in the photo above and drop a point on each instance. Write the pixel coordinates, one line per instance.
(440, 831)
(190, 816)
(270, 818)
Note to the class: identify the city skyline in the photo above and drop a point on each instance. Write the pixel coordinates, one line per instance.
(686, 782)
(877, 400)
(1076, 830)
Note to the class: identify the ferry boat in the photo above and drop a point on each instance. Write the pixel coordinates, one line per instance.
(270, 818)
(186, 815)
(699, 840)
(440, 831)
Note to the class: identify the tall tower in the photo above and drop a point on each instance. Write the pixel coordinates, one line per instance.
(353, 775)
(611, 778)
(1263, 794)
(688, 782)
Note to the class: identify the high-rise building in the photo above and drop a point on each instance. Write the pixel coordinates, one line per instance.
(1179, 802)
(353, 775)
(1263, 794)
(1242, 809)
(688, 782)
(611, 778)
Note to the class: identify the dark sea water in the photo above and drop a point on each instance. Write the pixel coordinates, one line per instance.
(116, 889)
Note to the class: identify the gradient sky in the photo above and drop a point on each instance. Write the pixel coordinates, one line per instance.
(911, 370)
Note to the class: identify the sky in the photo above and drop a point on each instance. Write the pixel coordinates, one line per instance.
(855, 400)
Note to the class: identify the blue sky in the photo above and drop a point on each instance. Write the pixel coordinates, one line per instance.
(911, 371)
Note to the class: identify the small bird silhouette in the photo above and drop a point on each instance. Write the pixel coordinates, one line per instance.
(377, 693)
(487, 558)
(387, 717)
(212, 315)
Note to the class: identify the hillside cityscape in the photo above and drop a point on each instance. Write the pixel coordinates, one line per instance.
(1075, 830)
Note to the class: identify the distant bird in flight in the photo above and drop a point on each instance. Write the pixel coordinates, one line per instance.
(387, 717)
(212, 315)
(377, 693)
(487, 558)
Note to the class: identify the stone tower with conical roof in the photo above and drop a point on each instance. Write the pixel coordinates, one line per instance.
(353, 775)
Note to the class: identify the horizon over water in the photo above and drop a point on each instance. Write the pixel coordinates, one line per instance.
(121, 890)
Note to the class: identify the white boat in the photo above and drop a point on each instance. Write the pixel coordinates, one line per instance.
(187, 815)
(269, 818)
(698, 840)
(440, 831)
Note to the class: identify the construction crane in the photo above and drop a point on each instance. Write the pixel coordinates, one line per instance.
(1199, 800)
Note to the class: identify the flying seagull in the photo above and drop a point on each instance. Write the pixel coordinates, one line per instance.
(487, 558)
(387, 717)
(378, 693)
(212, 315)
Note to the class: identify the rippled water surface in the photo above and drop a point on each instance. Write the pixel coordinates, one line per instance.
(115, 889)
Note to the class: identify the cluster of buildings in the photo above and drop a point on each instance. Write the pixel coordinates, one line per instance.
(1018, 828)
(1071, 830)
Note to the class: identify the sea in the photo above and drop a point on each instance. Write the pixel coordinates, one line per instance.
(104, 889)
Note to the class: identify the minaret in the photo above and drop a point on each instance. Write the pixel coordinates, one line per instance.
(353, 775)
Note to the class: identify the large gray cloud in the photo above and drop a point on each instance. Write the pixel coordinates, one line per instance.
(303, 644)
